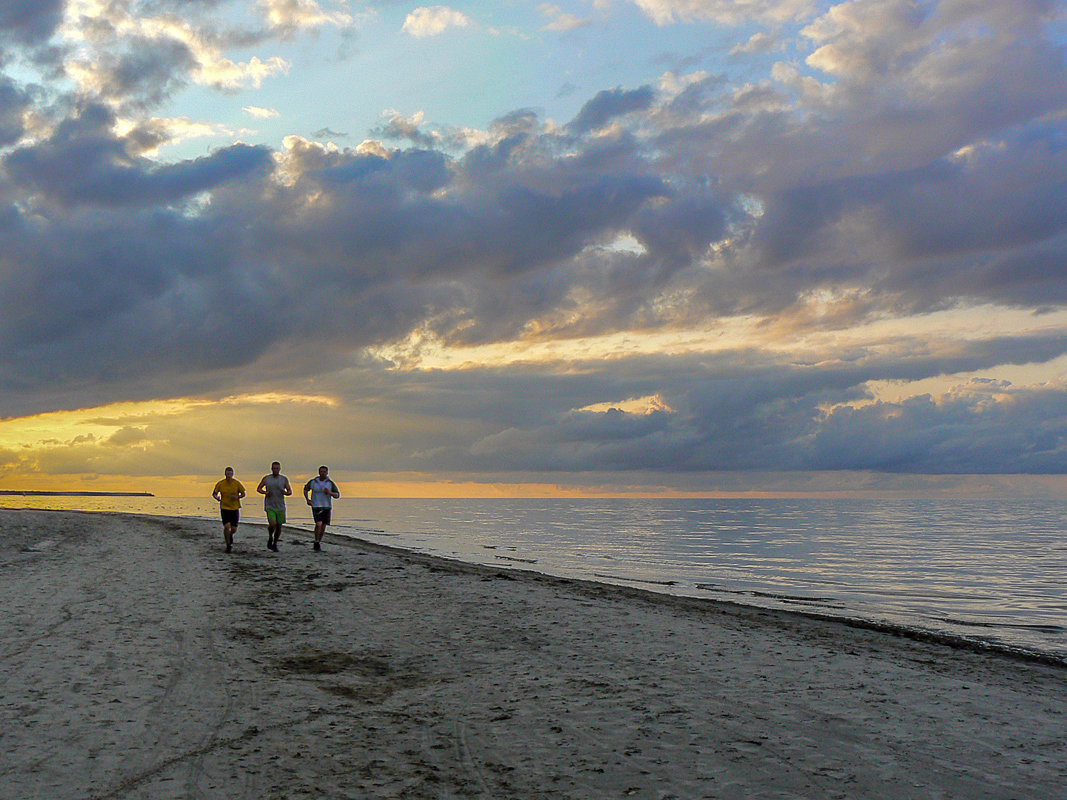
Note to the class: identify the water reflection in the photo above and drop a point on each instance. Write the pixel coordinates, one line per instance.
(956, 566)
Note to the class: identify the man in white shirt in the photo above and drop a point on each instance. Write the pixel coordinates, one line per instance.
(319, 493)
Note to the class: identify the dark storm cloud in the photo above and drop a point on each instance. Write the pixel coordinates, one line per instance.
(609, 104)
(14, 102)
(876, 97)
(145, 73)
(140, 285)
(400, 128)
(1025, 431)
(30, 21)
(695, 98)
(420, 216)
(732, 385)
(85, 163)
(991, 198)
(742, 411)
(986, 225)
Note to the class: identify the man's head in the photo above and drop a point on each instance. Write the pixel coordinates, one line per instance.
(229, 473)
(324, 471)
(276, 467)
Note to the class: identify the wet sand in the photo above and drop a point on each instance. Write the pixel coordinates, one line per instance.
(141, 661)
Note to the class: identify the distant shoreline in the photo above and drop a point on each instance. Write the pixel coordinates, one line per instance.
(35, 493)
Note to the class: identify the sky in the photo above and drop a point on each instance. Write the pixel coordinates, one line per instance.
(593, 247)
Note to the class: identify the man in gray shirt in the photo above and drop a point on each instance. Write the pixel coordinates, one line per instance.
(274, 488)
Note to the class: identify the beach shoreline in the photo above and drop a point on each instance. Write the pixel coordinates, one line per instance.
(145, 662)
(695, 602)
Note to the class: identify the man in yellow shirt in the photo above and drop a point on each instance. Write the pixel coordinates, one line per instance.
(229, 493)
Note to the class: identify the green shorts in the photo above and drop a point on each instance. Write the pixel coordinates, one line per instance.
(276, 516)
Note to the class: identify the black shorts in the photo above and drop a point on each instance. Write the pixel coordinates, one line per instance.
(321, 515)
(231, 516)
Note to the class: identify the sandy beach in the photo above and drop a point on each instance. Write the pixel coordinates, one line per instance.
(141, 661)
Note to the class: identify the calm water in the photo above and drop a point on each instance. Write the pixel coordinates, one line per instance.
(992, 570)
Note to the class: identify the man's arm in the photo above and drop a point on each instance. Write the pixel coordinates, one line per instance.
(262, 488)
(287, 489)
(307, 491)
(333, 492)
(240, 491)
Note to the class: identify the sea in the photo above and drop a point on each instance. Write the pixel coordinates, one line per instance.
(988, 573)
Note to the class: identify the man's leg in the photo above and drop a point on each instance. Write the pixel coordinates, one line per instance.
(279, 521)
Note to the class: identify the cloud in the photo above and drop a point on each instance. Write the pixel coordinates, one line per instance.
(733, 414)
(666, 12)
(292, 15)
(30, 21)
(113, 248)
(128, 436)
(896, 99)
(980, 428)
(261, 113)
(144, 136)
(15, 102)
(85, 163)
(560, 20)
(329, 133)
(128, 55)
(143, 74)
(609, 104)
(398, 126)
(958, 227)
(433, 21)
(504, 240)
(758, 43)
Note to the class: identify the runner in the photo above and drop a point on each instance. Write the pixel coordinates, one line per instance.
(229, 492)
(319, 492)
(274, 488)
